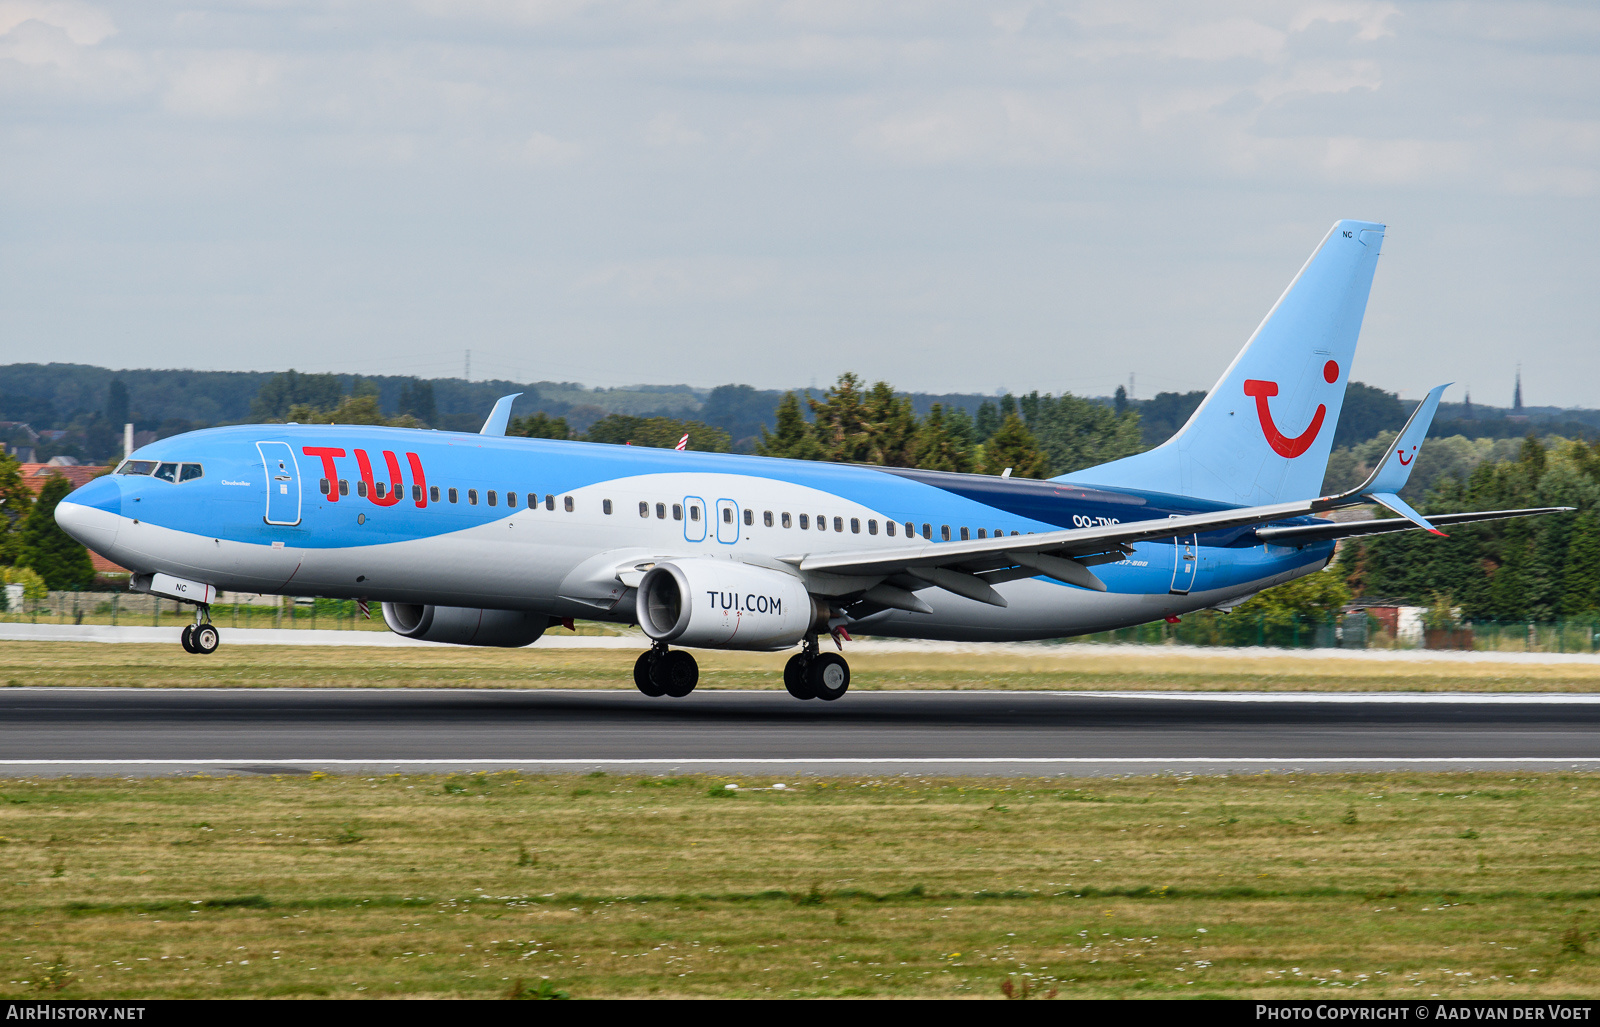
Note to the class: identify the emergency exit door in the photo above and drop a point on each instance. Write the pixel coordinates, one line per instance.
(1185, 561)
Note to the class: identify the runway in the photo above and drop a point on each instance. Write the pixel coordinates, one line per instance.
(109, 731)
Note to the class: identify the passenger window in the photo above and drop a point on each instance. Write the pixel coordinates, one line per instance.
(191, 472)
(944, 532)
(749, 517)
(137, 467)
(785, 519)
(344, 487)
(822, 523)
(911, 532)
(805, 522)
(727, 515)
(325, 487)
(855, 526)
(472, 497)
(511, 499)
(605, 506)
(380, 486)
(566, 501)
(494, 497)
(1013, 533)
(361, 489)
(982, 533)
(549, 501)
(888, 527)
(872, 527)
(927, 531)
(433, 493)
(644, 509)
(965, 536)
(661, 512)
(694, 512)
(677, 511)
(766, 518)
(838, 524)
(416, 493)
(454, 495)
(167, 472)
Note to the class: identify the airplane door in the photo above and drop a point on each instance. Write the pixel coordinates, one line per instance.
(283, 482)
(727, 521)
(694, 519)
(1185, 559)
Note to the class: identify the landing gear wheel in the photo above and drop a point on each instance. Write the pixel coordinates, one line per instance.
(205, 638)
(829, 676)
(187, 638)
(794, 677)
(675, 673)
(641, 674)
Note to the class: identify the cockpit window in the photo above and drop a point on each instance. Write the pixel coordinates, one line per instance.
(190, 472)
(137, 467)
(167, 472)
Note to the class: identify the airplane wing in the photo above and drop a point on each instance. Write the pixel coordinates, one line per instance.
(890, 577)
(1300, 534)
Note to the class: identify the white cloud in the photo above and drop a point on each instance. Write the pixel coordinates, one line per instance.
(83, 24)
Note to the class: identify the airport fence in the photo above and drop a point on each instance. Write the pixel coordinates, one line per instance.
(1208, 628)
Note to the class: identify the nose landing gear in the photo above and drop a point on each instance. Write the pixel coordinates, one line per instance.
(201, 637)
(810, 674)
(662, 671)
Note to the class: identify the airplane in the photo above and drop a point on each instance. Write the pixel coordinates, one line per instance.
(489, 540)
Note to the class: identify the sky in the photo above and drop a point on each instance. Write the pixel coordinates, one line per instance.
(949, 196)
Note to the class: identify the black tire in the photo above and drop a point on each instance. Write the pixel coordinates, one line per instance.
(205, 639)
(676, 673)
(641, 674)
(187, 639)
(828, 676)
(794, 677)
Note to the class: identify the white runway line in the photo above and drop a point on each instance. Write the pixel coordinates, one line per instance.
(870, 646)
(822, 761)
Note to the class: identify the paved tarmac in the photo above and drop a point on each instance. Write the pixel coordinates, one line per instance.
(108, 731)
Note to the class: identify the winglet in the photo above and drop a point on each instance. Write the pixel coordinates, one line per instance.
(1401, 507)
(499, 417)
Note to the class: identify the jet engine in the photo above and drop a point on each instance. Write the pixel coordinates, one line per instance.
(720, 604)
(465, 625)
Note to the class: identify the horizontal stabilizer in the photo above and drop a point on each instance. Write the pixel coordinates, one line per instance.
(500, 416)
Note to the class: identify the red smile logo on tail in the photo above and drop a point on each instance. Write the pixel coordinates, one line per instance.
(1282, 444)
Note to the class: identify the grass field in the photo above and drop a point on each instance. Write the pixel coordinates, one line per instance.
(239, 666)
(1406, 885)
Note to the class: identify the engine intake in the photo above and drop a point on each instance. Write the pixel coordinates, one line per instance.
(719, 604)
(464, 625)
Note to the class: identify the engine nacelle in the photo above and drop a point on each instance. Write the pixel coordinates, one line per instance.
(720, 604)
(465, 625)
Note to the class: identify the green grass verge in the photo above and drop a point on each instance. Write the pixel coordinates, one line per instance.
(1402, 885)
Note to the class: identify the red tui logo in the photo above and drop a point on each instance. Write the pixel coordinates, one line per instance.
(1282, 444)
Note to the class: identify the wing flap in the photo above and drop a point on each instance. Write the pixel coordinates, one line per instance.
(1300, 534)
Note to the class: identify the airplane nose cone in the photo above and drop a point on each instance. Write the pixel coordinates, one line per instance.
(92, 514)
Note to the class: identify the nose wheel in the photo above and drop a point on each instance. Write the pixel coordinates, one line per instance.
(201, 637)
(813, 675)
(663, 671)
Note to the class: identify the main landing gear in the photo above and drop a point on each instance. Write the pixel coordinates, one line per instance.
(663, 671)
(811, 674)
(201, 637)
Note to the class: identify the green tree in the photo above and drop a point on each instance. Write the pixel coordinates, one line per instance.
(793, 438)
(416, 399)
(841, 422)
(892, 425)
(360, 408)
(1074, 433)
(1274, 614)
(291, 388)
(117, 404)
(1580, 584)
(48, 550)
(540, 426)
(16, 499)
(938, 447)
(1014, 446)
(658, 433)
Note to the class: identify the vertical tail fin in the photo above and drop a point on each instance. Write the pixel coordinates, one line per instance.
(1264, 432)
